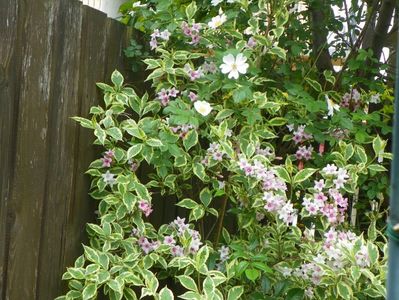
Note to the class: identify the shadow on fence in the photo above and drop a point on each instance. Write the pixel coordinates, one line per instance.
(51, 55)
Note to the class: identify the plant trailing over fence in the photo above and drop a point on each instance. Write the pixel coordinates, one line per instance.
(225, 134)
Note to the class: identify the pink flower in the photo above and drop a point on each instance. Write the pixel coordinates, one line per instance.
(193, 97)
(145, 207)
(251, 42)
(319, 185)
(169, 240)
(106, 162)
(153, 43)
(177, 251)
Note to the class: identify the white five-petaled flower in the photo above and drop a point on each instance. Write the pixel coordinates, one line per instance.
(234, 65)
(109, 178)
(217, 21)
(331, 106)
(203, 107)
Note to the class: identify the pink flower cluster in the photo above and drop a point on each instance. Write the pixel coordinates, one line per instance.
(146, 245)
(192, 73)
(268, 152)
(192, 32)
(304, 152)
(351, 100)
(134, 165)
(145, 207)
(164, 35)
(209, 67)
(224, 252)
(175, 250)
(107, 158)
(181, 227)
(332, 204)
(300, 135)
(165, 95)
(215, 152)
(335, 242)
(182, 130)
(274, 190)
(309, 271)
(270, 181)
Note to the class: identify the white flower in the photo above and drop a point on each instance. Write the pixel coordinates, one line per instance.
(375, 98)
(109, 178)
(331, 106)
(165, 35)
(217, 21)
(203, 107)
(234, 66)
(138, 4)
(216, 2)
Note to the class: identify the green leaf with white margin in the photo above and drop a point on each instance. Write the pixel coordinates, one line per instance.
(314, 84)
(344, 290)
(134, 150)
(197, 213)
(187, 203)
(115, 285)
(76, 273)
(191, 296)
(224, 113)
(91, 254)
(208, 287)
(191, 9)
(142, 191)
(117, 79)
(188, 282)
(304, 174)
(166, 294)
(217, 277)
(235, 293)
(378, 145)
(282, 173)
(199, 171)
(206, 196)
(115, 132)
(361, 154)
(89, 291)
(201, 257)
(280, 52)
(154, 143)
(100, 134)
(372, 251)
(190, 140)
(376, 168)
(86, 123)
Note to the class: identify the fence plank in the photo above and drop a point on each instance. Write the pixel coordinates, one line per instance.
(92, 70)
(51, 55)
(61, 152)
(30, 168)
(10, 65)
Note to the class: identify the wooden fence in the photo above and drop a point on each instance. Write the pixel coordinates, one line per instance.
(51, 54)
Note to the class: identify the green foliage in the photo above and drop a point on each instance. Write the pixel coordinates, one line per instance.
(228, 130)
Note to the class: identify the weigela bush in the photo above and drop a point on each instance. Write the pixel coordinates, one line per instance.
(267, 167)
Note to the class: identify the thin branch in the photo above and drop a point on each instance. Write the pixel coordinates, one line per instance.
(357, 43)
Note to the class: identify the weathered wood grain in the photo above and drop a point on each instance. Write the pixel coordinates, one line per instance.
(92, 59)
(51, 55)
(30, 171)
(61, 151)
(10, 65)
